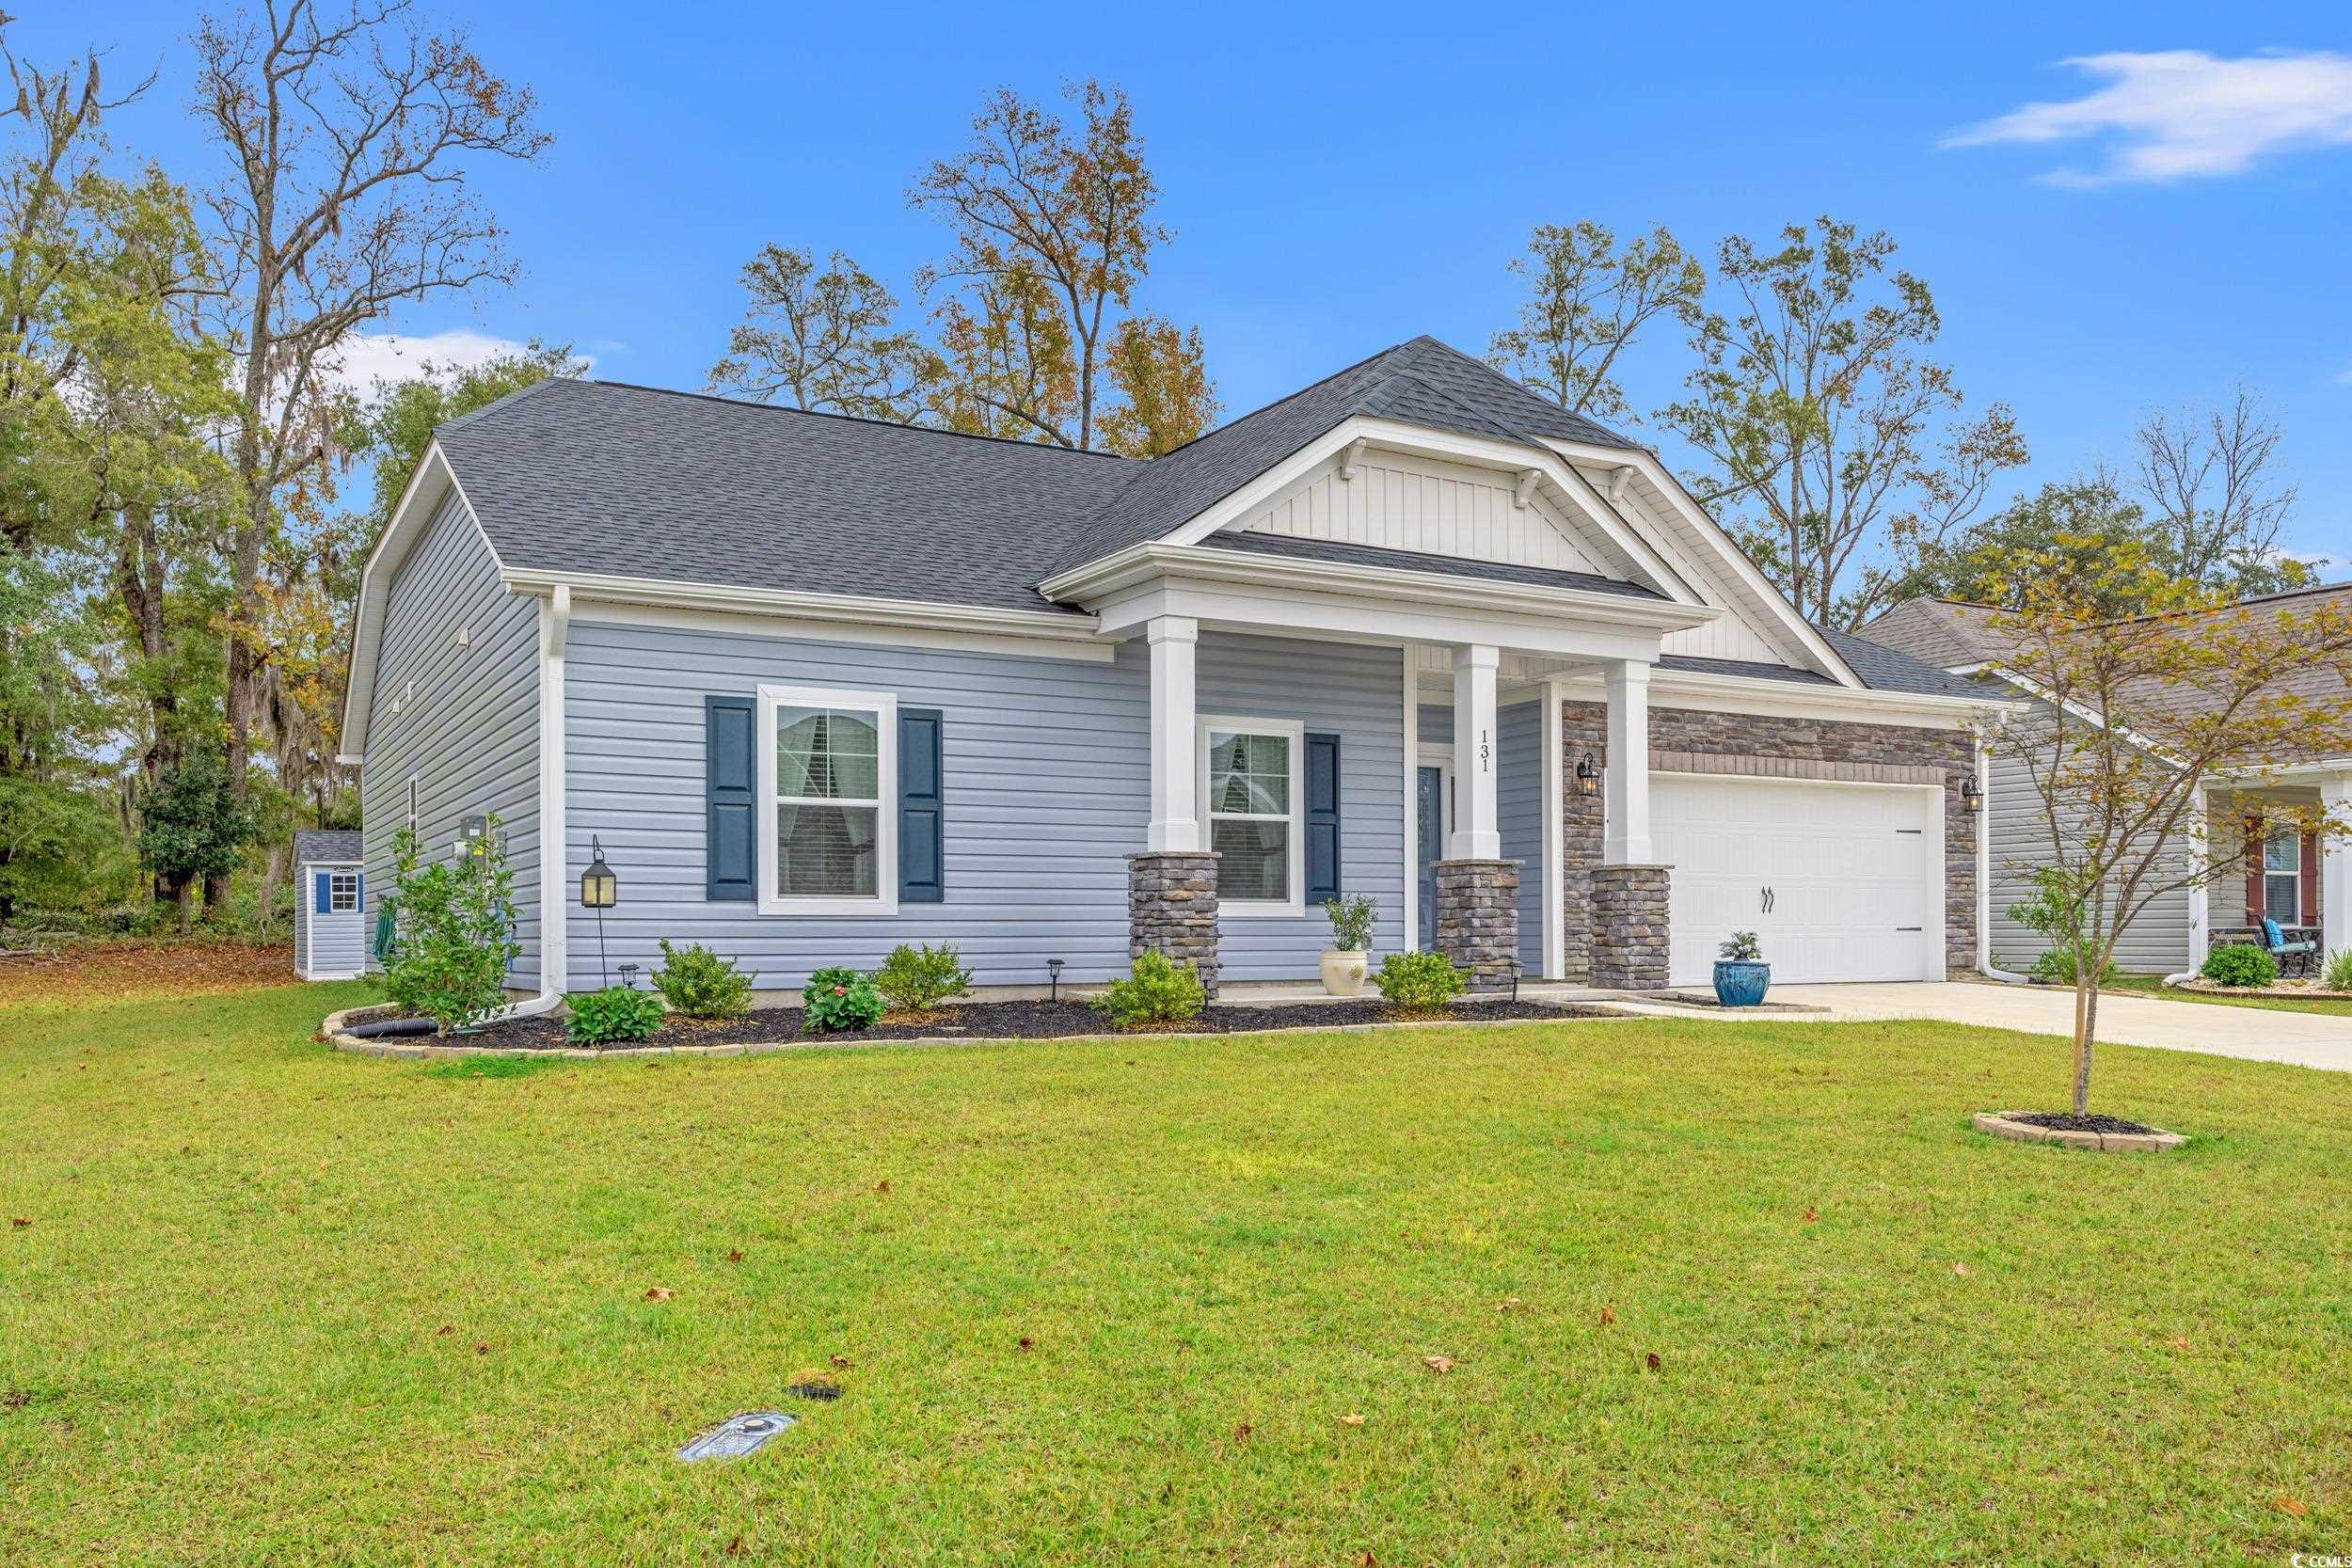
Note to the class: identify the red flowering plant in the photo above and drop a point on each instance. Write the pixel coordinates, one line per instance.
(840, 1000)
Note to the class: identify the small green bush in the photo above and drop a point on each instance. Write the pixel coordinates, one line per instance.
(916, 979)
(840, 1001)
(1158, 992)
(2338, 976)
(452, 939)
(2058, 964)
(2241, 964)
(1351, 922)
(1419, 982)
(697, 982)
(614, 1016)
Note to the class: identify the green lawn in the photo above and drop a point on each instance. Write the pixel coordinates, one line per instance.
(2153, 985)
(1120, 1303)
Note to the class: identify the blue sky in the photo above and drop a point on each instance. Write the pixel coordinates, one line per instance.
(1344, 178)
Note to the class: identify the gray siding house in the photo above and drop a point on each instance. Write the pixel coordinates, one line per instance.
(2290, 877)
(817, 686)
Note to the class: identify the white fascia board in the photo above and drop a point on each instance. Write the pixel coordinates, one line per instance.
(738, 623)
(1364, 618)
(1787, 700)
(2319, 768)
(1049, 625)
(1734, 559)
(2098, 720)
(1144, 565)
(427, 488)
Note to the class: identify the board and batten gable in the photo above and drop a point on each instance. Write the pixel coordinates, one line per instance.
(1045, 792)
(455, 706)
(1401, 502)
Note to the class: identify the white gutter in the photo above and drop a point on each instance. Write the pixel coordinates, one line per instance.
(555, 623)
(2200, 895)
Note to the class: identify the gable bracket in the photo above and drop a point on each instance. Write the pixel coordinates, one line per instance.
(1355, 454)
(1529, 479)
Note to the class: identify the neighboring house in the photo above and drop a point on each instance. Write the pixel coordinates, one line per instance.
(330, 906)
(817, 686)
(2302, 883)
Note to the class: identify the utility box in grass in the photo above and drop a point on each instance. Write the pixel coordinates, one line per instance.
(330, 906)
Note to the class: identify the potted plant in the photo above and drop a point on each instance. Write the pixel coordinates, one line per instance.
(1349, 957)
(1740, 973)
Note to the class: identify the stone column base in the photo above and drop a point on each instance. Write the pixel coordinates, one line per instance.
(1171, 908)
(1478, 919)
(1629, 927)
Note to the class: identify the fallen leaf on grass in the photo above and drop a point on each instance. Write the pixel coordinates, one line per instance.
(736, 1256)
(1367, 1560)
(16, 1399)
(1962, 1270)
(483, 1349)
(1351, 1420)
(884, 1185)
(19, 1223)
(2288, 1505)
(445, 1328)
(1241, 1432)
(2176, 1343)
(1608, 1315)
(1026, 1342)
(735, 1547)
(1812, 1215)
(840, 1360)
(1439, 1363)
(1510, 1303)
(1651, 1361)
(659, 1293)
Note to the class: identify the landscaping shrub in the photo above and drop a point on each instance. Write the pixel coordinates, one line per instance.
(697, 982)
(2058, 963)
(840, 1001)
(1351, 922)
(916, 979)
(1741, 947)
(1157, 991)
(2338, 976)
(2241, 964)
(451, 943)
(617, 1015)
(1419, 982)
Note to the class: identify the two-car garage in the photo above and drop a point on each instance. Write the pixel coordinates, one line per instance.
(1839, 881)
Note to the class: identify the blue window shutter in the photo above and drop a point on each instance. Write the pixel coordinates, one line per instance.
(321, 898)
(922, 819)
(1323, 818)
(730, 779)
(360, 886)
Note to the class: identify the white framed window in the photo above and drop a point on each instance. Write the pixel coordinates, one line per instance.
(1251, 793)
(828, 793)
(342, 891)
(2283, 877)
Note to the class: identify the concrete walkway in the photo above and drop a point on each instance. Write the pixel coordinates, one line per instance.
(2256, 1034)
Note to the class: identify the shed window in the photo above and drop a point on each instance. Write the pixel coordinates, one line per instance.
(342, 891)
(1252, 796)
(829, 763)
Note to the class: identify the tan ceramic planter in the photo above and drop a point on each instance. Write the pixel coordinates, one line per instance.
(1343, 973)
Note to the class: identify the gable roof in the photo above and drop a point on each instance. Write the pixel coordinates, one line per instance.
(1886, 669)
(326, 847)
(1953, 634)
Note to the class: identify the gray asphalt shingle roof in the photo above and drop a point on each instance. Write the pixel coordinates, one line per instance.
(326, 847)
(1884, 669)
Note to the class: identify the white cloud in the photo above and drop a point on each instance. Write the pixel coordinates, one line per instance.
(2182, 114)
(371, 357)
(2343, 377)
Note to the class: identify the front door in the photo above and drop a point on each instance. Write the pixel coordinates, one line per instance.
(1429, 817)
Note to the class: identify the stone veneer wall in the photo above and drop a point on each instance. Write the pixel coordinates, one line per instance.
(1171, 908)
(1687, 741)
(1478, 919)
(1630, 947)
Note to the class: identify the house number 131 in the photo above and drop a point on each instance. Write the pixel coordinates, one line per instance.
(1486, 753)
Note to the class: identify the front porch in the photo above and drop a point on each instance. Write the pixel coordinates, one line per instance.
(2300, 879)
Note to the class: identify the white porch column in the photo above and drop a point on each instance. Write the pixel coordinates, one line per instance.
(1175, 737)
(2335, 867)
(1625, 787)
(1477, 831)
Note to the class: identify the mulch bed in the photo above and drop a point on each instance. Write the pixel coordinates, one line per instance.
(1004, 1021)
(2066, 1121)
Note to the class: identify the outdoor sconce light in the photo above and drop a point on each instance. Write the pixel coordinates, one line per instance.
(1970, 795)
(599, 890)
(1587, 776)
(1053, 972)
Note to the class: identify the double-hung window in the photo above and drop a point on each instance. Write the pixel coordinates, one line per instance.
(1251, 793)
(828, 786)
(2283, 877)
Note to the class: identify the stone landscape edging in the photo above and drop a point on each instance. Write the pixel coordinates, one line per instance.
(408, 1050)
(1999, 1125)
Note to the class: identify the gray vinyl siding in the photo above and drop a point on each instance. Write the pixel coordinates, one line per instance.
(334, 943)
(1047, 786)
(1519, 816)
(2017, 839)
(469, 733)
(302, 925)
(1435, 721)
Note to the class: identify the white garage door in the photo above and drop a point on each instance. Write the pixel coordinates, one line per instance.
(1839, 881)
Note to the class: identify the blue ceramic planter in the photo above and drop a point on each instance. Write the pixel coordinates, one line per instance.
(1741, 984)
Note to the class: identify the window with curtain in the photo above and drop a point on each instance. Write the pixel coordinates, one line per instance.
(829, 806)
(1253, 807)
(2283, 877)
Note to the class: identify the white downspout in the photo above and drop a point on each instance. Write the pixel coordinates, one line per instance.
(2199, 894)
(1984, 876)
(555, 623)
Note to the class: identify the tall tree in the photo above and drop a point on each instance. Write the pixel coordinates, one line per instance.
(1587, 301)
(349, 140)
(826, 341)
(1165, 397)
(1841, 450)
(1053, 231)
(2081, 521)
(2216, 501)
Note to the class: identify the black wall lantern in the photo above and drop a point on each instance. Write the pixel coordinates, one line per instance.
(599, 890)
(1970, 795)
(1587, 776)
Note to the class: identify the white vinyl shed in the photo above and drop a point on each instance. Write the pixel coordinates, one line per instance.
(330, 906)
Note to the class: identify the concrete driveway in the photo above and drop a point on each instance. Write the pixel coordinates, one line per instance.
(2257, 1033)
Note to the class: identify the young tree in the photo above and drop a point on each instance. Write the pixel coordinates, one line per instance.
(1165, 397)
(1588, 302)
(2140, 720)
(823, 340)
(1843, 450)
(2215, 502)
(348, 140)
(1053, 231)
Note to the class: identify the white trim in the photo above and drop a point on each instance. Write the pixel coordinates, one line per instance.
(1175, 826)
(555, 909)
(857, 609)
(1295, 732)
(1477, 817)
(1765, 696)
(1410, 736)
(1626, 833)
(2097, 720)
(1555, 811)
(433, 482)
(806, 628)
(884, 706)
